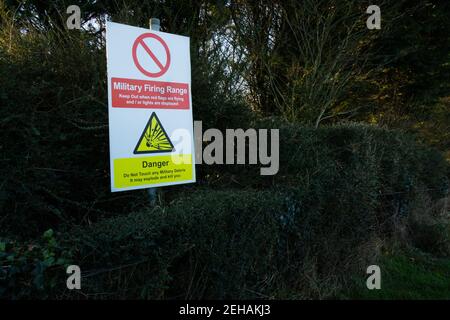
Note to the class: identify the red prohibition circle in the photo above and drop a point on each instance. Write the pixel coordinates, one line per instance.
(139, 41)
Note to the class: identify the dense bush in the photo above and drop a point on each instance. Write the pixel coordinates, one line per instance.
(30, 270)
(343, 192)
(394, 162)
(222, 244)
(350, 167)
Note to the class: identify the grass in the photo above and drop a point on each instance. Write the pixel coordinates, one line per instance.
(415, 276)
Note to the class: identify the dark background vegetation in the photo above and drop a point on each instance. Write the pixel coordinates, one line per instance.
(364, 143)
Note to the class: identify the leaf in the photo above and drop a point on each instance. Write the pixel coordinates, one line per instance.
(48, 234)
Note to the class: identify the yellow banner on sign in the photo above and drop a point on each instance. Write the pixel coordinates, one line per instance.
(133, 172)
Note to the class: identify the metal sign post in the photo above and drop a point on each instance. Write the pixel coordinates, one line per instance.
(155, 25)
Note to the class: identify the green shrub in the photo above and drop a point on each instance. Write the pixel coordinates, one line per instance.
(34, 269)
(374, 167)
(429, 226)
(340, 192)
(307, 154)
(224, 244)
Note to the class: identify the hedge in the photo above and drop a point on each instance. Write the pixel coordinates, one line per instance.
(341, 192)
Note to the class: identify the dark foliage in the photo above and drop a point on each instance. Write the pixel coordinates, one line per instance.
(343, 190)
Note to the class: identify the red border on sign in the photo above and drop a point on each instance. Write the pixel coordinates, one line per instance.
(139, 41)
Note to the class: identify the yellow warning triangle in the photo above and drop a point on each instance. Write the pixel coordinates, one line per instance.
(154, 138)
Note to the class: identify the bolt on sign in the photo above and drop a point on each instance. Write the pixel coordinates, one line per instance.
(150, 108)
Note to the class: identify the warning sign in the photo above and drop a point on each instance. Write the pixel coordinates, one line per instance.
(149, 106)
(161, 67)
(154, 138)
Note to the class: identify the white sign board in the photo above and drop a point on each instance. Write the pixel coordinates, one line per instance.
(150, 108)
